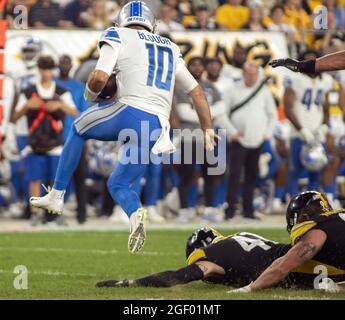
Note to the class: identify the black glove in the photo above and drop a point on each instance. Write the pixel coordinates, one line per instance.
(113, 283)
(287, 63)
(306, 66)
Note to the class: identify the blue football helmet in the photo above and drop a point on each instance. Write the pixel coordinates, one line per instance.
(136, 13)
(31, 49)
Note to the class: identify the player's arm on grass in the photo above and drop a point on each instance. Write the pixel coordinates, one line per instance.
(193, 272)
(331, 62)
(299, 254)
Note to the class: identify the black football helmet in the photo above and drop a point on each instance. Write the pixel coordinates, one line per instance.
(308, 204)
(200, 238)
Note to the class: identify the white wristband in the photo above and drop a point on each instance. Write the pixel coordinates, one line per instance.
(89, 95)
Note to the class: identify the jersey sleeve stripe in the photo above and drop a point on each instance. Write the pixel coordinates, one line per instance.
(195, 256)
(112, 34)
(300, 230)
(112, 39)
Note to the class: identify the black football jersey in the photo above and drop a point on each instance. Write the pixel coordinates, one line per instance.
(243, 256)
(330, 261)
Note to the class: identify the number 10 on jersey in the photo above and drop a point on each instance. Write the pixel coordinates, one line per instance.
(158, 66)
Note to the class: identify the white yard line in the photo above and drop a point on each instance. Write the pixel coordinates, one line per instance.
(61, 274)
(85, 251)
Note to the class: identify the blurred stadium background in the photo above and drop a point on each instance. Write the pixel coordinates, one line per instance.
(225, 34)
(222, 35)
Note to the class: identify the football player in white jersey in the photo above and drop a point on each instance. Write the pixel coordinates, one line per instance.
(304, 99)
(146, 67)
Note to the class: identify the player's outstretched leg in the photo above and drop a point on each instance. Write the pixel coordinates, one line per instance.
(120, 187)
(53, 201)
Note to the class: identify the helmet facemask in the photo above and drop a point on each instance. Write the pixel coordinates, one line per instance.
(305, 206)
(201, 238)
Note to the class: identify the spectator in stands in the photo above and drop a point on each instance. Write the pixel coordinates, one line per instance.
(212, 5)
(96, 17)
(166, 20)
(233, 71)
(45, 105)
(182, 8)
(276, 22)
(335, 6)
(46, 13)
(255, 21)
(77, 90)
(214, 68)
(326, 39)
(296, 15)
(73, 11)
(232, 15)
(203, 20)
(332, 6)
(247, 135)
(153, 5)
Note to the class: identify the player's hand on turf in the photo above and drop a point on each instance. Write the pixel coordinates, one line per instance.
(245, 289)
(329, 286)
(210, 138)
(113, 283)
(288, 63)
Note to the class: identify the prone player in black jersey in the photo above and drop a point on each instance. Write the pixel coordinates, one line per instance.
(317, 235)
(234, 260)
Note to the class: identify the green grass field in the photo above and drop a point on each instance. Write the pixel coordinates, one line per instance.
(66, 265)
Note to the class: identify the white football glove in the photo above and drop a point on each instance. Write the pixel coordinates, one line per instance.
(264, 164)
(307, 135)
(322, 133)
(89, 95)
(210, 138)
(245, 289)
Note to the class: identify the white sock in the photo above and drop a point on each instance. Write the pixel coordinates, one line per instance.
(57, 193)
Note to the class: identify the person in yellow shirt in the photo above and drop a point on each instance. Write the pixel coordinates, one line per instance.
(232, 15)
(313, 4)
(296, 15)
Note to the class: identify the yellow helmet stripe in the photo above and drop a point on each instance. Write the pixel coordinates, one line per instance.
(324, 201)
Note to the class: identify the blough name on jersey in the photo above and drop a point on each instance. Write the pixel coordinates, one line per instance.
(154, 38)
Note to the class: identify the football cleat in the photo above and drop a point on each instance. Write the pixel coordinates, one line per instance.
(52, 202)
(137, 235)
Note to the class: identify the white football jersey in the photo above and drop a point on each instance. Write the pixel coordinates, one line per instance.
(310, 95)
(145, 69)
